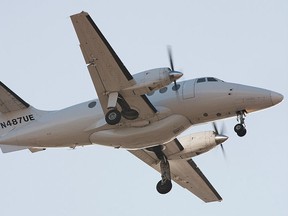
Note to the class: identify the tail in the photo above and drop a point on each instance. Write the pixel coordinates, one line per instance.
(14, 113)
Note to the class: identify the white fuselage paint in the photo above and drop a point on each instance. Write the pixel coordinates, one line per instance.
(192, 104)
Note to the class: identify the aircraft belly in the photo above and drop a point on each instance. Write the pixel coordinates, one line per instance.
(141, 137)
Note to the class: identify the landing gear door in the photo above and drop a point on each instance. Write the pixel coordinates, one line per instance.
(189, 89)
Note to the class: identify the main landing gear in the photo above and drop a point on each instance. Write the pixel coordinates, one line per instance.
(113, 116)
(164, 185)
(240, 128)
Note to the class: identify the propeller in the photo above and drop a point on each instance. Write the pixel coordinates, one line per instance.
(170, 58)
(220, 137)
(174, 75)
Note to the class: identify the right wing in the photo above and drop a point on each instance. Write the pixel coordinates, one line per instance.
(108, 73)
(184, 172)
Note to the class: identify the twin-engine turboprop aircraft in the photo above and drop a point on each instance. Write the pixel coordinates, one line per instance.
(143, 113)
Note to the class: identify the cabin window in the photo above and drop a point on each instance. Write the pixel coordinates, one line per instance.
(176, 87)
(163, 90)
(150, 93)
(92, 104)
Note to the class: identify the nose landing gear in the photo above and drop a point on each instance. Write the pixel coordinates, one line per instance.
(240, 128)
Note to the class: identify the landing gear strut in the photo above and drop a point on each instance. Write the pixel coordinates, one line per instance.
(164, 185)
(240, 128)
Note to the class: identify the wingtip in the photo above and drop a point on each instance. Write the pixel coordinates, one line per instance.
(80, 14)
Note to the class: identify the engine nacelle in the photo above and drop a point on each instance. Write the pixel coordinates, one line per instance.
(196, 144)
(152, 80)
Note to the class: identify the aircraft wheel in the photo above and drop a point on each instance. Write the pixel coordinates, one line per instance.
(130, 114)
(238, 127)
(242, 133)
(113, 117)
(240, 130)
(165, 187)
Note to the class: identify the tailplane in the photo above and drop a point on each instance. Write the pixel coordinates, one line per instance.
(14, 113)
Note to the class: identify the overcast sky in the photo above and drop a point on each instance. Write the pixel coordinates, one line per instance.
(237, 41)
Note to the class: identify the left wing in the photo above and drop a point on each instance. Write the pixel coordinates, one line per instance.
(184, 172)
(108, 73)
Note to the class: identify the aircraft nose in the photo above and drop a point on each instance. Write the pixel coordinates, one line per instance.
(276, 97)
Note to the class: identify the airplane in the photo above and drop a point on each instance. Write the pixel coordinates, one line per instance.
(144, 113)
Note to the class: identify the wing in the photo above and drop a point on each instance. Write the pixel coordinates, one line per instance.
(9, 101)
(108, 73)
(184, 172)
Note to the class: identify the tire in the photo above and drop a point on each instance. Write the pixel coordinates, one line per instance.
(113, 117)
(164, 188)
(238, 128)
(242, 133)
(130, 114)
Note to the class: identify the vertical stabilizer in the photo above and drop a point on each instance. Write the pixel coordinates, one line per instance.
(14, 113)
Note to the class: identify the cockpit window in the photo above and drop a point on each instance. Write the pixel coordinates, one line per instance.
(201, 80)
(212, 79)
(208, 79)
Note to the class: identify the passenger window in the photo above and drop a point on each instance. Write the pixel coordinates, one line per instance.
(175, 88)
(163, 90)
(211, 79)
(201, 80)
(150, 93)
(92, 104)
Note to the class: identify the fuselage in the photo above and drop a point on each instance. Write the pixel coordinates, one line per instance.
(194, 102)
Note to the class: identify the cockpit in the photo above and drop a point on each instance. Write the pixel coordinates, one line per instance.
(208, 79)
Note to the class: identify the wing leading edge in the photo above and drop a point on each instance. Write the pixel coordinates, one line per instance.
(184, 172)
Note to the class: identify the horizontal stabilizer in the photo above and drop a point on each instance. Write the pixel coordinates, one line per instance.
(9, 101)
(11, 148)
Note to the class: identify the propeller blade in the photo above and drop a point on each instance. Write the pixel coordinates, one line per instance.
(220, 137)
(170, 58)
(223, 151)
(223, 129)
(215, 128)
(174, 75)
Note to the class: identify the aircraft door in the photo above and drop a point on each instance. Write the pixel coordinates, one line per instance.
(189, 89)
